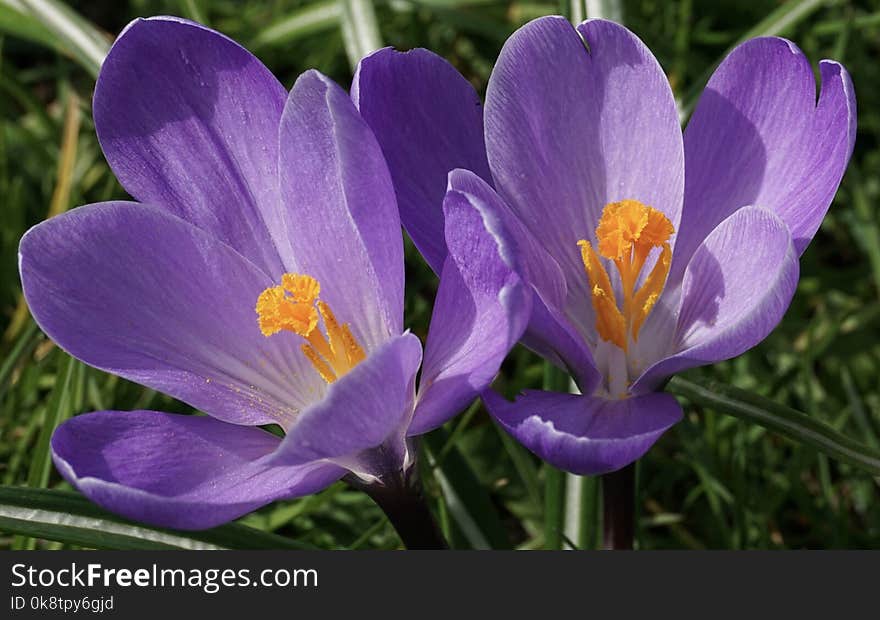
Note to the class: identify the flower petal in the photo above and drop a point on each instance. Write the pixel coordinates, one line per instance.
(549, 332)
(481, 310)
(138, 292)
(585, 435)
(758, 137)
(362, 410)
(735, 291)
(188, 120)
(570, 129)
(429, 120)
(342, 215)
(184, 472)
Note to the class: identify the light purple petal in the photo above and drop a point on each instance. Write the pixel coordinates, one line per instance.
(549, 332)
(735, 291)
(364, 409)
(480, 312)
(429, 120)
(185, 472)
(585, 435)
(188, 120)
(570, 128)
(757, 137)
(341, 212)
(138, 292)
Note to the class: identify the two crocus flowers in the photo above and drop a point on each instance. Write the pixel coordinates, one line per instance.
(259, 277)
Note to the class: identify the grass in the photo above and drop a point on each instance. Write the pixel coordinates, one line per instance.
(713, 481)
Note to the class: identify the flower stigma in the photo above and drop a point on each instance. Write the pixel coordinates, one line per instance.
(627, 232)
(294, 307)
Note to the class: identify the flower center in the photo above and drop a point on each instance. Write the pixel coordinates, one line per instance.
(628, 230)
(294, 306)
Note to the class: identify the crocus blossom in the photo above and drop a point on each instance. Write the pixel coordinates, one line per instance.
(648, 250)
(259, 278)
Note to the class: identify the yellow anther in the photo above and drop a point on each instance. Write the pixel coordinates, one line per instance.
(294, 306)
(627, 232)
(278, 312)
(302, 288)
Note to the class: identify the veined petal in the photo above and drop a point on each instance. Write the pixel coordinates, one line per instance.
(549, 331)
(429, 120)
(341, 212)
(140, 293)
(480, 312)
(585, 435)
(735, 291)
(759, 137)
(571, 127)
(366, 408)
(188, 120)
(184, 472)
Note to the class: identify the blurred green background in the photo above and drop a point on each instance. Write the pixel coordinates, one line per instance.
(713, 481)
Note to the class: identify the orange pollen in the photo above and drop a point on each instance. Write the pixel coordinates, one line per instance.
(294, 307)
(627, 232)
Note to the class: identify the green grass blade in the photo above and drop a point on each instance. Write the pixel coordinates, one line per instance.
(778, 22)
(87, 44)
(57, 410)
(788, 422)
(70, 518)
(360, 29)
(467, 499)
(555, 380)
(15, 22)
(304, 21)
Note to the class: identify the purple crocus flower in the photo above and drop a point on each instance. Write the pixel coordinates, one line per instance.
(648, 252)
(250, 198)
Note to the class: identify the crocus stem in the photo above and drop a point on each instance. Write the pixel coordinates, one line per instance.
(618, 499)
(400, 497)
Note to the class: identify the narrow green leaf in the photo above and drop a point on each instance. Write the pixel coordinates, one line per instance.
(778, 22)
(360, 29)
(70, 518)
(192, 10)
(304, 21)
(466, 498)
(85, 42)
(14, 22)
(555, 380)
(57, 410)
(788, 422)
(21, 347)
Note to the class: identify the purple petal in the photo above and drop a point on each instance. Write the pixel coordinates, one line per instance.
(480, 312)
(570, 129)
(342, 215)
(138, 292)
(185, 472)
(188, 120)
(429, 120)
(735, 291)
(366, 408)
(585, 435)
(758, 137)
(549, 332)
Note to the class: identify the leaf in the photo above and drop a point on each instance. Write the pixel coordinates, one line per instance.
(304, 21)
(85, 42)
(787, 422)
(360, 29)
(466, 498)
(70, 518)
(57, 410)
(777, 22)
(555, 380)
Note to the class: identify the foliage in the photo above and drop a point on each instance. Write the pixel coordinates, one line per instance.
(713, 481)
